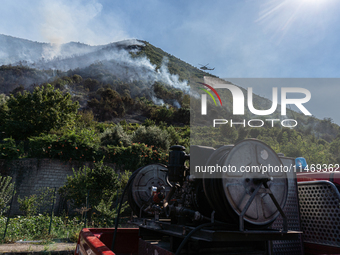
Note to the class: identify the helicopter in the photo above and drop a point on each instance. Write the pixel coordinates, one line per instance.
(205, 67)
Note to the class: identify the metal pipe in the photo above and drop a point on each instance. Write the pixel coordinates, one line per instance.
(284, 217)
(167, 199)
(49, 229)
(245, 209)
(86, 207)
(9, 212)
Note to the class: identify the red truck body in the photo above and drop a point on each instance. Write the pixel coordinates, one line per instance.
(97, 241)
(324, 175)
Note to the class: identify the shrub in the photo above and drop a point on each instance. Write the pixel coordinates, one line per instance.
(115, 136)
(101, 181)
(107, 212)
(30, 205)
(10, 150)
(162, 114)
(136, 155)
(152, 135)
(182, 115)
(75, 144)
(149, 122)
(86, 118)
(174, 137)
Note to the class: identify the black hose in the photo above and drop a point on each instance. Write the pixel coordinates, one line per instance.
(167, 179)
(186, 239)
(120, 207)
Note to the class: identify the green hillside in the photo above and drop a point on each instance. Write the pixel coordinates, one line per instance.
(106, 98)
(175, 65)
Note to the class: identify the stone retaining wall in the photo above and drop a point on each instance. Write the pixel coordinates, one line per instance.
(31, 175)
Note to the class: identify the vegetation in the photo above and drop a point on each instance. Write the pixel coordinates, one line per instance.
(72, 116)
(11, 77)
(153, 136)
(90, 180)
(46, 123)
(31, 205)
(69, 144)
(31, 114)
(85, 191)
(136, 155)
(175, 65)
(289, 141)
(9, 149)
(6, 193)
(115, 136)
(36, 228)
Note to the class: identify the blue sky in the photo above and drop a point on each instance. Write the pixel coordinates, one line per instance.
(241, 39)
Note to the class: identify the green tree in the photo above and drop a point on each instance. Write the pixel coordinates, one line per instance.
(109, 106)
(182, 115)
(30, 114)
(115, 136)
(92, 179)
(152, 135)
(162, 114)
(3, 99)
(31, 205)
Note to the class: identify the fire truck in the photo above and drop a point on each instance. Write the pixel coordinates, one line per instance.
(288, 210)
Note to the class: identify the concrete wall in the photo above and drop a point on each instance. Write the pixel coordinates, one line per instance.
(31, 175)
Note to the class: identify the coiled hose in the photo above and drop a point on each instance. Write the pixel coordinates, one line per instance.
(120, 207)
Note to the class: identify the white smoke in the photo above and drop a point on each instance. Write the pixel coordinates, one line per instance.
(129, 42)
(164, 76)
(157, 101)
(51, 51)
(65, 21)
(176, 104)
(115, 59)
(77, 20)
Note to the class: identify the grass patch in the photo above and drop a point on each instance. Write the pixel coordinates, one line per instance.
(37, 228)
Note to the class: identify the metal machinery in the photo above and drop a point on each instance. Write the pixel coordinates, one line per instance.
(239, 213)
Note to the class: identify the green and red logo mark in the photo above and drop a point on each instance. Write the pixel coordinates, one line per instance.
(213, 90)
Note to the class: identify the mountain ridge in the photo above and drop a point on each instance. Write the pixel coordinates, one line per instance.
(130, 65)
